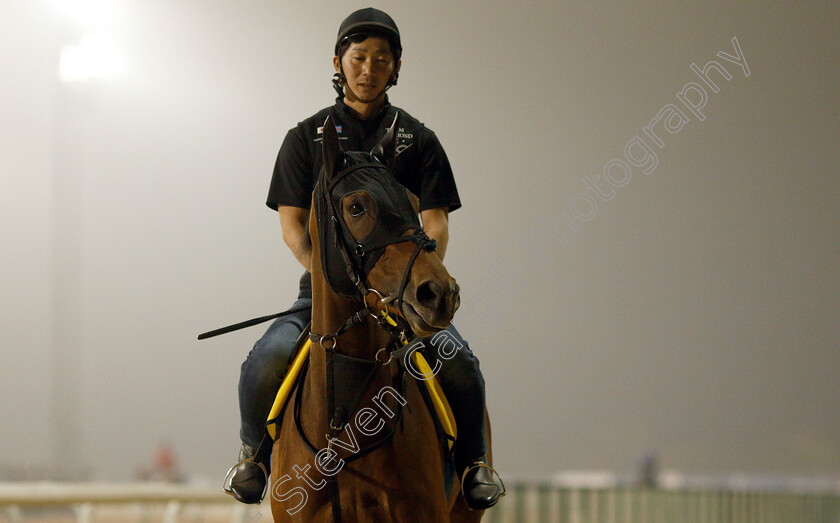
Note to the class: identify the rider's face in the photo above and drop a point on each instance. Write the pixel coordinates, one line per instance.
(368, 66)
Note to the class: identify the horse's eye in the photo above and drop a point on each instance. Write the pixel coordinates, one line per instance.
(356, 209)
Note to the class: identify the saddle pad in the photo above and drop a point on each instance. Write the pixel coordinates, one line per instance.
(286, 387)
(442, 410)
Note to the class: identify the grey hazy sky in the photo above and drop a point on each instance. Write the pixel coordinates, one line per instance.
(690, 311)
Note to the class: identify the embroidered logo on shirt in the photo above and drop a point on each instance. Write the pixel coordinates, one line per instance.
(320, 131)
(401, 148)
(403, 140)
(337, 129)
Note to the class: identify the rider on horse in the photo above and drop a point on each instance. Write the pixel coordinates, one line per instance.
(367, 62)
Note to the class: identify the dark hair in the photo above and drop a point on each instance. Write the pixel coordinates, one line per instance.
(361, 37)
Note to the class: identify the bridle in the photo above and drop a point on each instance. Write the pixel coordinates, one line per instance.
(358, 257)
(348, 378)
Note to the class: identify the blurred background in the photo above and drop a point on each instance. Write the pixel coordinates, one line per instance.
(686, 318)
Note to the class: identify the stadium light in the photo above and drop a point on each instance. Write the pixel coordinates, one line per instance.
(90, 14)
(96, 56)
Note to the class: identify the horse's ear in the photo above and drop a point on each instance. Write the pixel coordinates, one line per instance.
(330, 149)
(385, 151)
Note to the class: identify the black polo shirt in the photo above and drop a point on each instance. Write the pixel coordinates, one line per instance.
(421, 164)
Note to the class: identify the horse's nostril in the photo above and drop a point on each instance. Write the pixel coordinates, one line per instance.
(428, 294)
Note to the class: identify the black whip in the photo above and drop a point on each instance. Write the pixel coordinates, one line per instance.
(250, 323)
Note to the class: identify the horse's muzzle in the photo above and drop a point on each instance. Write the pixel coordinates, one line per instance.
(438, 301)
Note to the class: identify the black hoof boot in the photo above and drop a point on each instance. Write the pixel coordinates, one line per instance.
(246, 481)
(479, 486)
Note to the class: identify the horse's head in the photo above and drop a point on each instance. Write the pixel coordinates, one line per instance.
(370, 238)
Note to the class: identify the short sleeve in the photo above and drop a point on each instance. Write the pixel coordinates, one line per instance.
(437, 186)
(291, 183)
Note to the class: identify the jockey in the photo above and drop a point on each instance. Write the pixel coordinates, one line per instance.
(367, 63)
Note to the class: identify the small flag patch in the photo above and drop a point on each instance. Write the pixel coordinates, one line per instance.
(337, 129)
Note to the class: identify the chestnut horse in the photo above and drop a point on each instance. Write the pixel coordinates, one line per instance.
(372, 459)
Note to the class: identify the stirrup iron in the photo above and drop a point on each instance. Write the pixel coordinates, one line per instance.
(226, 483)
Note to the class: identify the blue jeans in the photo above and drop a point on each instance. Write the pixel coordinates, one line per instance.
(264, 368)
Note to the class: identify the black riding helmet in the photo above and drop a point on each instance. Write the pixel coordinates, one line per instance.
(372, 22)
(368, 22)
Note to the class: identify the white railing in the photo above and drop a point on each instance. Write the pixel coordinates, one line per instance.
(537, 503)
(123, 502)
(525, 503)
